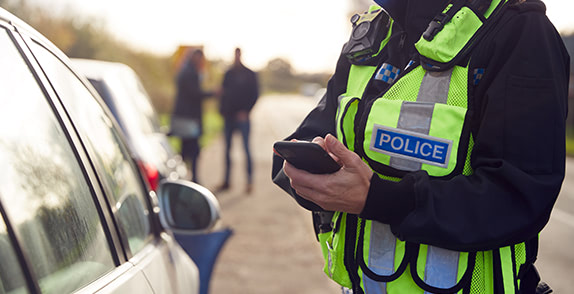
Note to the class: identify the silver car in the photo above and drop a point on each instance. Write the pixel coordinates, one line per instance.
(122, 91)
(75, 212)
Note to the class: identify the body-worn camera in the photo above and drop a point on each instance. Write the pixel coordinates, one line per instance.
(369, 30)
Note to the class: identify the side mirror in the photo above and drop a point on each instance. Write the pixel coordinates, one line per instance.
(187, 207)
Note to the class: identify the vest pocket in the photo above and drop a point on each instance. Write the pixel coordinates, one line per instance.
(383, 259)
(333, 248)
(441, 271)
(346, 113)
(378, 251)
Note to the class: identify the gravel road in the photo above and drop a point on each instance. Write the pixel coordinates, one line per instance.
(273, 248)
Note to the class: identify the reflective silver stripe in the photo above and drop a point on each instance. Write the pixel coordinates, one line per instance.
(330, 259)
(340, 108)
(441, 264)
(416, 116)
(381, 256)
(441, 267)
(374, 287)
(434, 87)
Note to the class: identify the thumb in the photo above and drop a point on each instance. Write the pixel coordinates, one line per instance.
(334, 146)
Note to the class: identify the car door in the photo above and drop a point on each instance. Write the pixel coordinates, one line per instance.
(54, 236)
(144, 243)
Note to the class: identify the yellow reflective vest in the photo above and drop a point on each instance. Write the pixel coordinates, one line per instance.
(419, 123)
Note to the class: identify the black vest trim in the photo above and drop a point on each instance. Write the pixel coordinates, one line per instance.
(497, 272)
(349, 260)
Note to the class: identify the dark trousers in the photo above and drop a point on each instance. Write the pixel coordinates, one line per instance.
(244, 127)
(190, 153)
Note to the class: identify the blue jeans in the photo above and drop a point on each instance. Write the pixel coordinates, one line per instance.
(231, 124)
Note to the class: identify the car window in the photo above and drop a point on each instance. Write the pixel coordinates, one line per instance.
(114, 166)
(128, 100)
(135, 94)
(11, 276)
(104, 92)
(43, 188)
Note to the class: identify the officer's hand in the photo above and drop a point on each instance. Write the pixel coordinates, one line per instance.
(346, 190)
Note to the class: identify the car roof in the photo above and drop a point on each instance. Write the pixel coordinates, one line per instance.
(11, 18)
(99, 69)
(21, 25)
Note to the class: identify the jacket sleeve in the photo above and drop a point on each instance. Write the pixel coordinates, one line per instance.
(519, 111)
(189, 94)
(319, 122)
(253, 91)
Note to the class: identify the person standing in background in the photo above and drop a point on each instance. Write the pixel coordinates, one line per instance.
(187, 112)
(239, 93)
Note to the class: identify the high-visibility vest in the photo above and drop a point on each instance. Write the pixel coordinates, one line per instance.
(420, 123)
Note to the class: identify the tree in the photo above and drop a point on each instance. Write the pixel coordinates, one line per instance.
(278, 76)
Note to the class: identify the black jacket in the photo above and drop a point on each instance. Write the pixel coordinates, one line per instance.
(240, 91)
(188, 102)
(517, 112)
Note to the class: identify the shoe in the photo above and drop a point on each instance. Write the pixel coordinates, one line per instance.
(222, 188)
(249, 189)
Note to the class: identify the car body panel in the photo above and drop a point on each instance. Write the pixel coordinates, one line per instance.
(123, 279)
(163, 275)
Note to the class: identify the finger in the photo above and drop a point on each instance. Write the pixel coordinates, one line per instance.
(324, 145)
(288, 169)
(301, 179)
(298, 176)
(310, 194)
(320, 141)
(343, 155)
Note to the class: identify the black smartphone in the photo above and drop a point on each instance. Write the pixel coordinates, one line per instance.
(306, 155)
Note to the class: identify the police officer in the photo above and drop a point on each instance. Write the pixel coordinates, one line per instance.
(448, 118)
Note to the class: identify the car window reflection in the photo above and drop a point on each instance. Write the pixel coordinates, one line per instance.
(113, 163)
(11, 276)
(43, 189)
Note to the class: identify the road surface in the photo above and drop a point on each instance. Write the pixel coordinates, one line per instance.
(273, 249)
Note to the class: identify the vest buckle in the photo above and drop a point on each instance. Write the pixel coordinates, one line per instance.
(435, 26)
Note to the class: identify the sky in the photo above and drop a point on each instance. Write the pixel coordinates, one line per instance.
(307, 33)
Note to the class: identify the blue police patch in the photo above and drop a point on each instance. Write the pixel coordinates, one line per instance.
(477, 75)
(387, 73)
(410, 145)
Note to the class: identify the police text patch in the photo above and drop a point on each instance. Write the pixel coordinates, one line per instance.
(411, 145)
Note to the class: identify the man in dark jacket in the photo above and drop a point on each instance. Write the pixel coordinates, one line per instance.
(240, 91)
(514, 83)
(188, 109)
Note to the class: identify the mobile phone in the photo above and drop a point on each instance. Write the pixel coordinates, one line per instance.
(306, 155)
